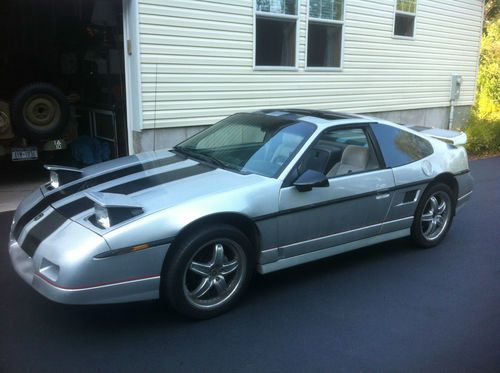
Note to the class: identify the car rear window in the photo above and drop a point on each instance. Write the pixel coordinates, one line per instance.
(400, 147)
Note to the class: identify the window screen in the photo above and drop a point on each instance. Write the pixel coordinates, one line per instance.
(324, 35)
(276, 30)
(404, 18)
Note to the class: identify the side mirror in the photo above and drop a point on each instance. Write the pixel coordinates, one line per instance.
(311, 179)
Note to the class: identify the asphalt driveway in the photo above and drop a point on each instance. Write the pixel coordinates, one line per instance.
(389, 307)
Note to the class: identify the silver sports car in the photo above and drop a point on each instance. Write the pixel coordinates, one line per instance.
(257, 191)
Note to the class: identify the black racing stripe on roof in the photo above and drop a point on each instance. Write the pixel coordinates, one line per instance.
(41, 231)
(81, 204)
(66, 191)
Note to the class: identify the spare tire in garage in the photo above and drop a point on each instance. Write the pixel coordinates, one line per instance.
(39, 111)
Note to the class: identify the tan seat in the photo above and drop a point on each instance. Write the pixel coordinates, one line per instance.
(354, 159)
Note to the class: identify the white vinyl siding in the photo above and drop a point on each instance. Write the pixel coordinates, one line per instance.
(203, 52)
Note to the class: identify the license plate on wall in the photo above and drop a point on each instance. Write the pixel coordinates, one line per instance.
(24, 154)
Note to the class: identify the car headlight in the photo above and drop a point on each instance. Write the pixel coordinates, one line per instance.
(60, 175)
(54, 179)
(111, 209)
(102, 216)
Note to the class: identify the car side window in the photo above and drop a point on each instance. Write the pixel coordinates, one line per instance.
(400, 147)
(341, 152)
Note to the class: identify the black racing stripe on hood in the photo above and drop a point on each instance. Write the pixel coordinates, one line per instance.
(64, 192)
(158, 179)
(81, 204)
(41, 231)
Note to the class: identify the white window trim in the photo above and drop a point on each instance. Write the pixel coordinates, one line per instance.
(133, 68)
(396, 11)
(329, 21)
(297, 36)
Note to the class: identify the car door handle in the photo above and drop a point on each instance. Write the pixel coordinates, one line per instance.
(382, 194)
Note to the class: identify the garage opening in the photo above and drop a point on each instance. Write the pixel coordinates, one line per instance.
(62, 91)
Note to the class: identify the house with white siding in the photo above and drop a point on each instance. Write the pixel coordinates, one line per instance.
(198, 61)
(146, 74)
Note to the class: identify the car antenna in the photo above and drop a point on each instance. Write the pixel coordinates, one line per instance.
(154, 115)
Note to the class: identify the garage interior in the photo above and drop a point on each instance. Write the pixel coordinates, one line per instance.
(62, 92)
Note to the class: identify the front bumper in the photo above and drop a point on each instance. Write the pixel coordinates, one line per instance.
(64, 269)
(128, 290)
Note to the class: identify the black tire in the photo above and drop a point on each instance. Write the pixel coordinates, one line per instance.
(39, 111)
(426, 216)
(195, 263)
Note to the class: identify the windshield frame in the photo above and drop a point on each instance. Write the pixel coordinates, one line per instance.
(262, 120)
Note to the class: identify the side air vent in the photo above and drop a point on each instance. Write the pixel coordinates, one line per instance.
(410, 196)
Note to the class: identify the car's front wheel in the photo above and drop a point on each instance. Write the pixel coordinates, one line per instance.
(433, 216)
(208, 271)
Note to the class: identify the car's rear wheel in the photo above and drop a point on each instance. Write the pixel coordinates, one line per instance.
(208, 271)
(433, 216)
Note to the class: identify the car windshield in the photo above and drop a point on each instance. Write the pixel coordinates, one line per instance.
(249, 143)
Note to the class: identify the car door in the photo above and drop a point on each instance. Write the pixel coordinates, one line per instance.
(351, 208)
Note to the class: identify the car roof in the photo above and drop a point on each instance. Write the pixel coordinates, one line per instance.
(321, 118)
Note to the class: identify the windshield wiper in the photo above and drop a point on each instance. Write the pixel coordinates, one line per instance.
(202, 156)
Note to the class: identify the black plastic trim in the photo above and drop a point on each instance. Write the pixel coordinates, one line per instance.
(338, 200)
(130, 249)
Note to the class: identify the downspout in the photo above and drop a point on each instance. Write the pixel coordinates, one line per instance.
(452, 113)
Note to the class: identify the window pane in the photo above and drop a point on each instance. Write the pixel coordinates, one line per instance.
(327, 9)
(400, 147)
(275, 42)
(277, 6)
(407, 5)
(404, 25)
(342, 152)
(238, 133)
(250, 142)
(324, 45)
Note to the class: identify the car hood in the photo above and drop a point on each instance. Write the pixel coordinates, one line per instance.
(154, 180)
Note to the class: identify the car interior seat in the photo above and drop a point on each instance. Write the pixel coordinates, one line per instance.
(354, 159)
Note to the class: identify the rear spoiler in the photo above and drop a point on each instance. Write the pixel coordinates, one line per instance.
(456, 138)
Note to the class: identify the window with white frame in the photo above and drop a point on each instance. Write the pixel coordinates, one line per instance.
(276, 32)
(404, 18)
(324, 33)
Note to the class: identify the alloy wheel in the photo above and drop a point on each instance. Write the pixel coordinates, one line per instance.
(435, 215)
(214, 273)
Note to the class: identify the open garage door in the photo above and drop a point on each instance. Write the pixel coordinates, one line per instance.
(62, 91)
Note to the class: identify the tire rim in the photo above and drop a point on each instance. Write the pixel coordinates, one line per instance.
(4, 122)
(435, 215)
(41, 110)
(214, 273)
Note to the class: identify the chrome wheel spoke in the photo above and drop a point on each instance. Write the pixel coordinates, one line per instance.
(218, 258)
(427, 217)
(201, 269)
(220, 284)
(230, 267)
(431, 228)
(439, 221)
(204, 286)
(434, 204)
(441, 208)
